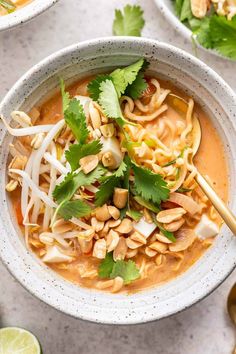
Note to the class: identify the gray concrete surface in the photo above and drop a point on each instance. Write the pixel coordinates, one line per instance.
(204, 328)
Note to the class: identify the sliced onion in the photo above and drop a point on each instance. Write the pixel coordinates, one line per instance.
(184, 239)
(27, 131)
(185, 202)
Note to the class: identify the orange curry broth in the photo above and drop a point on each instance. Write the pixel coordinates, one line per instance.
(210, 160)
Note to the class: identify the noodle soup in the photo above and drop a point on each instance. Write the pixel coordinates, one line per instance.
(9, 6)
(102, 181)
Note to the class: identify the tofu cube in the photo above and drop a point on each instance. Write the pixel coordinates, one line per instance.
(144, 228)
(206, 228)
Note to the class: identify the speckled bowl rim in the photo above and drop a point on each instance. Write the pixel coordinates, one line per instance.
(25, 14)
(184, 30)
(116, 308)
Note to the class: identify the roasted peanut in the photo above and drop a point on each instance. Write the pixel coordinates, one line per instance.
(120, 197)
(120, 250)
(99, 249)
(117, 284)
(94, 116)
(159, 247)
(112, 240)
(107, 130)
(199, 8)
(114, 212)
(136, 236)
(133, 244)
(108, 160)
(85, 246)
(131, 253)
(175, 225)
(102, 213)
(150, 252)
(169, 215)
(162, 238)
(96, 224)
(125, 227)
(89, 163)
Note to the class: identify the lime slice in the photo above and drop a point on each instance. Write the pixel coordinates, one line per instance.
(15, 340)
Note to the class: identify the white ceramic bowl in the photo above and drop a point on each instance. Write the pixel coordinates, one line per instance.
(216, 98)
(166, 7)
(26, 13)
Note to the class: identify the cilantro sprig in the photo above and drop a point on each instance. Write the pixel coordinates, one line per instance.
(127, 270)
(74, 208)
(73, 181)
(213, 31)
(149, 185)
(108, 184)
(129, 80)
(130, 22)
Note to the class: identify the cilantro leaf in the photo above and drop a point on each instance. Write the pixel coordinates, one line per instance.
(223, 35)
(146, 204)
(201, 29)
(75, 118)
(126, 76)
(108, 100)
(67, 188)
(94, 86)
(178, 7)
(129, 80)
(186, 12)
(151, 186)
(128, 271)
(77, 208)
(77, 151)
(65, 96)
(121, 170)
(108, 185)
(106, 190)
(130, 22)
(136, 89)
(106, 266)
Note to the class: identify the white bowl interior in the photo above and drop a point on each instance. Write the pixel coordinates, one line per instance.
(25, 13)
(215, 97)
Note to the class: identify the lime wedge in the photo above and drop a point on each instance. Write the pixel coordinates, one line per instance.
(15, 340)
